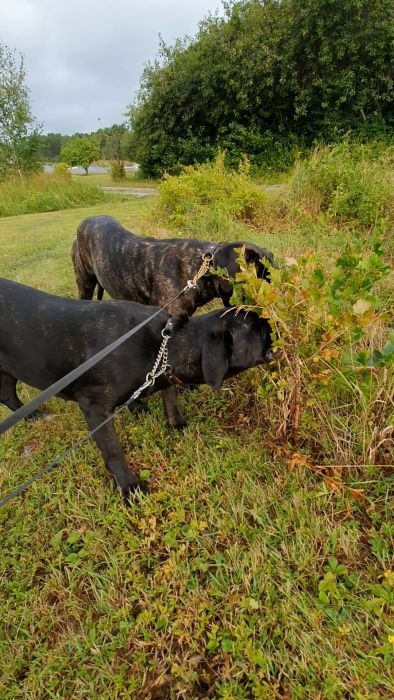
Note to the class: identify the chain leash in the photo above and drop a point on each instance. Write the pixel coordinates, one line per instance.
(204, 267)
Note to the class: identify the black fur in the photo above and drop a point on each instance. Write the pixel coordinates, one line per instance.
(43, 337)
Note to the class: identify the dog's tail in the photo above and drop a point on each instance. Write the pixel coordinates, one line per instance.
(100, 292)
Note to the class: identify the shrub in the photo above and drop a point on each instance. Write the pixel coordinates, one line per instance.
(230, 192)
(61, 169)
(268, 152)
(332, 393)
(43, 192)
(350, 182)
(118, 172)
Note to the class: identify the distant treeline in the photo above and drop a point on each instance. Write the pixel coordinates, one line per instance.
(114, 143)
(267, 79)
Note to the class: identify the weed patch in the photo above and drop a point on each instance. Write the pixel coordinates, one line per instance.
(350, 182)
(230, 194)
(44, 192)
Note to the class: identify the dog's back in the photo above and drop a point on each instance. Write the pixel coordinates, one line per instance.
(127, 266)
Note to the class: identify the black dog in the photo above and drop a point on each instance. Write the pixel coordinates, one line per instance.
(43, 337)
(153, 271)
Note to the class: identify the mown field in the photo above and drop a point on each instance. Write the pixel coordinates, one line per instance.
(238, 577)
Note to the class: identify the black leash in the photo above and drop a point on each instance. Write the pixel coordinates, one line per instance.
(55, 388)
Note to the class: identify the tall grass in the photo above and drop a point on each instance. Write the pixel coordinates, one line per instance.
(44, 192)
(350, 182)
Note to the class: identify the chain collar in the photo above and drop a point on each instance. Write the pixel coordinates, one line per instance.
(161, 363)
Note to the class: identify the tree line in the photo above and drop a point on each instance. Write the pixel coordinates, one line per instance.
(110, 143)
(266, 79)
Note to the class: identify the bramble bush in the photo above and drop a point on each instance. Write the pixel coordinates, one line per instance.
(230, 194)
(331, 394)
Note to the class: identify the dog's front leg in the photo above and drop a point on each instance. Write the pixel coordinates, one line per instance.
(109, 445)
(174, 416)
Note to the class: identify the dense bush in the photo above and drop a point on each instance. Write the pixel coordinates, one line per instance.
(228, 192)
(266, 79)
(46, 193)
(118, 172)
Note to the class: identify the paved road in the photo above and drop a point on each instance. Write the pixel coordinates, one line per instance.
(152, 191)
(134, 191)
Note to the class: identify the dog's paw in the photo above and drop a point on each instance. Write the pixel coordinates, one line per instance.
(137, 407)
(137, 488)
(180, 425)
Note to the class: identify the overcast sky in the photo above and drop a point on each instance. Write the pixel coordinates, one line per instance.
(84, 58)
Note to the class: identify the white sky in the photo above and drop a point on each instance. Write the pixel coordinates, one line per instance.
(84, 58)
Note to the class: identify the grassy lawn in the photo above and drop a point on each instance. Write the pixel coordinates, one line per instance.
(236, 578)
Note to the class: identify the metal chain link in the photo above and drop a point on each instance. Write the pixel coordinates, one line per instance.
(204, 267)
(161, 359)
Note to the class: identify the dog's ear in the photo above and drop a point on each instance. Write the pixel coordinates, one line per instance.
(215, 356)
(257, 256)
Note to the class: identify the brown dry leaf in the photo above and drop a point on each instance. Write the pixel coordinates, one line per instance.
(333, 485)
(359, 495)
(297, 460)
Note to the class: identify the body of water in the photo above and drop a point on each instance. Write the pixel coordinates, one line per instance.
(78, 170)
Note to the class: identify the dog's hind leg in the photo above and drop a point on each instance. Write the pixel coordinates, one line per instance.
(9, 397)
(86, 282)
(108, 443)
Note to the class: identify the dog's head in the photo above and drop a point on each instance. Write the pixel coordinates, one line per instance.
(212, 347)
(233, 342)
(225, 257)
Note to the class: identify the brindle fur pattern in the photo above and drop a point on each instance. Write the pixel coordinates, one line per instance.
(150, 270)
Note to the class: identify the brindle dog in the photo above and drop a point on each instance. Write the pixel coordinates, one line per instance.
(153, 271)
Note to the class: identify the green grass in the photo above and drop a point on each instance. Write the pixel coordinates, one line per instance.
(42, 192)
(35, 248)
(236, 578)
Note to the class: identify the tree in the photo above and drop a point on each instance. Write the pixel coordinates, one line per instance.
(268, 72)
(19, 133)
(51, 145)
(81, 150)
